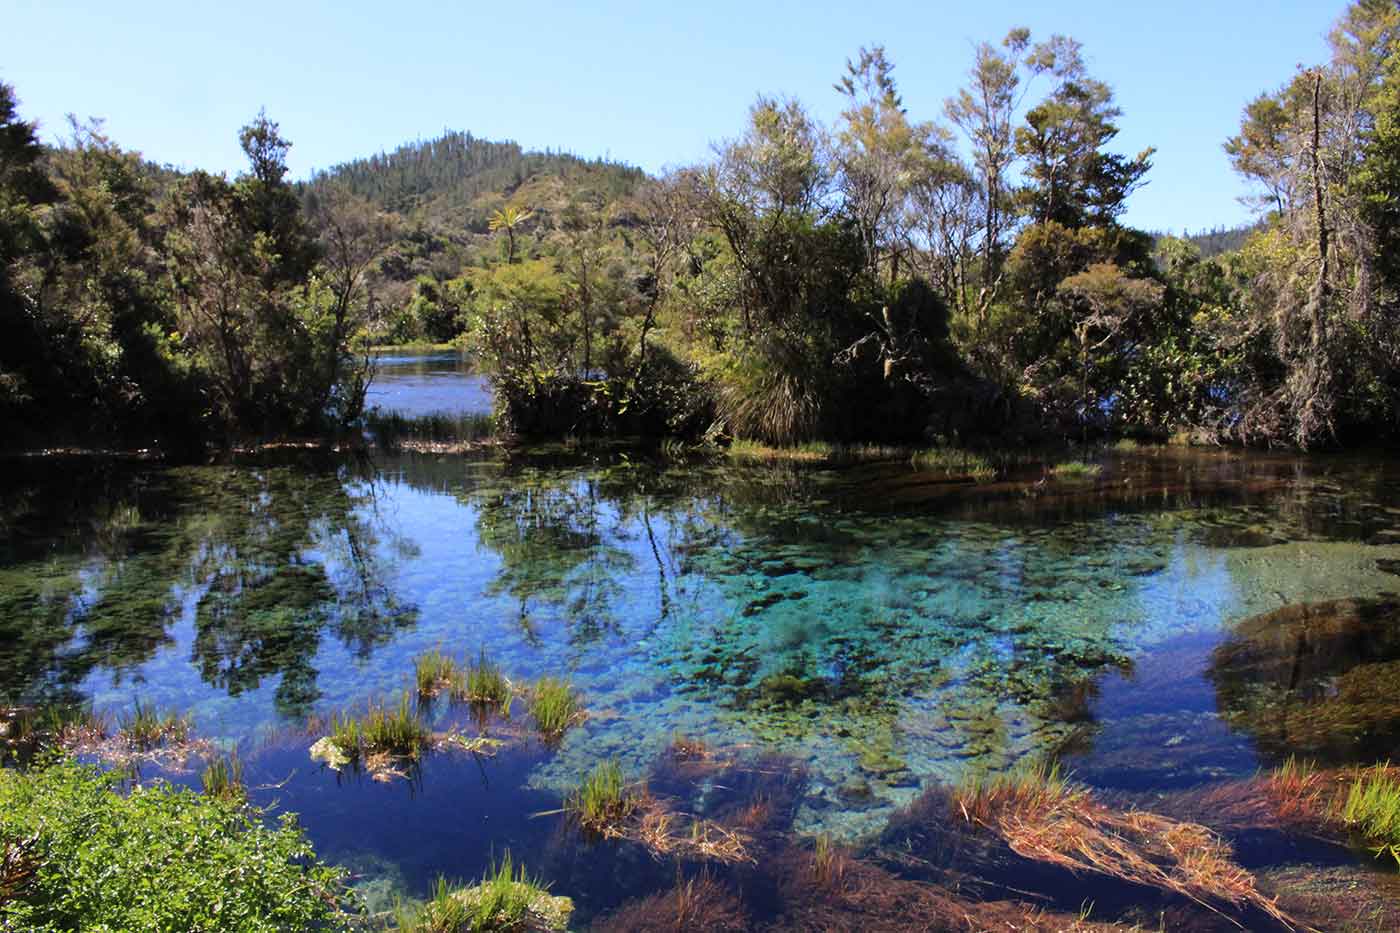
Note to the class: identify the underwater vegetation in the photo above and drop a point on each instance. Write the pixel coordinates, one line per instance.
(1317, 680)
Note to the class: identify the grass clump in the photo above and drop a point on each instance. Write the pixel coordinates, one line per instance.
(1372, 809)
(603, 802)
(384, 730)
(485, 684)
(155, 858)
(555, 706)
(954, 462)
(223, 778)
(435, 672)
(147, 727)
(1076, 469)
(506, 899)
(1041, 816)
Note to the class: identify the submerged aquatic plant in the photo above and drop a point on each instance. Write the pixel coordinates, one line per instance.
(555, 707)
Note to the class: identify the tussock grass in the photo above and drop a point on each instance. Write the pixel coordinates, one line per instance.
(953, 461)
(603, 802)
(147, 727)
(1372, 809)
(434, 672)
(395, 731)
(223, 778)
(504, 900)
(555, 707)
(24, 730)
(1075, 470)
(485, 684)
(811, 451)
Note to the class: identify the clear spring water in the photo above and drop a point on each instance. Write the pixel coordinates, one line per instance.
(882, 628)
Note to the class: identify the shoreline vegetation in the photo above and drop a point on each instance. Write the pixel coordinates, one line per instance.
(960, 279)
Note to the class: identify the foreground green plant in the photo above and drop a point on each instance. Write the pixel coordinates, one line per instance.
(555, 707)
(157, 858)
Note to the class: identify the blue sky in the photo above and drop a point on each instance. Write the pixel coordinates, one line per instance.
(651, 84)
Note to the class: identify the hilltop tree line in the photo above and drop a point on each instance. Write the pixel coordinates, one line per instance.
(958, 277)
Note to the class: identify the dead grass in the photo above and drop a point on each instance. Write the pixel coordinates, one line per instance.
(1043, 817)
(698, 903)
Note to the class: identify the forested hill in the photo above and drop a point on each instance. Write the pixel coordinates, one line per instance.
(460, 179)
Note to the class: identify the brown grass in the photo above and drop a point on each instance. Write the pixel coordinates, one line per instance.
(699, 903)
(1047, 819)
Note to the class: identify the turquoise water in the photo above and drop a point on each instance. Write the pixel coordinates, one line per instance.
(879, 632)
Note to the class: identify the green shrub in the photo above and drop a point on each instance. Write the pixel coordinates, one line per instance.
(157, 859)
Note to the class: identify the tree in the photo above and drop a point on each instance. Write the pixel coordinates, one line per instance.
(509, 219)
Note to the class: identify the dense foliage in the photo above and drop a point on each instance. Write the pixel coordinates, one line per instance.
(882, 278)
(79, 855)
(139, 306)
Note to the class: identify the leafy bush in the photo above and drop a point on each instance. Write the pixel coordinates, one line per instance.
(158, 859)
